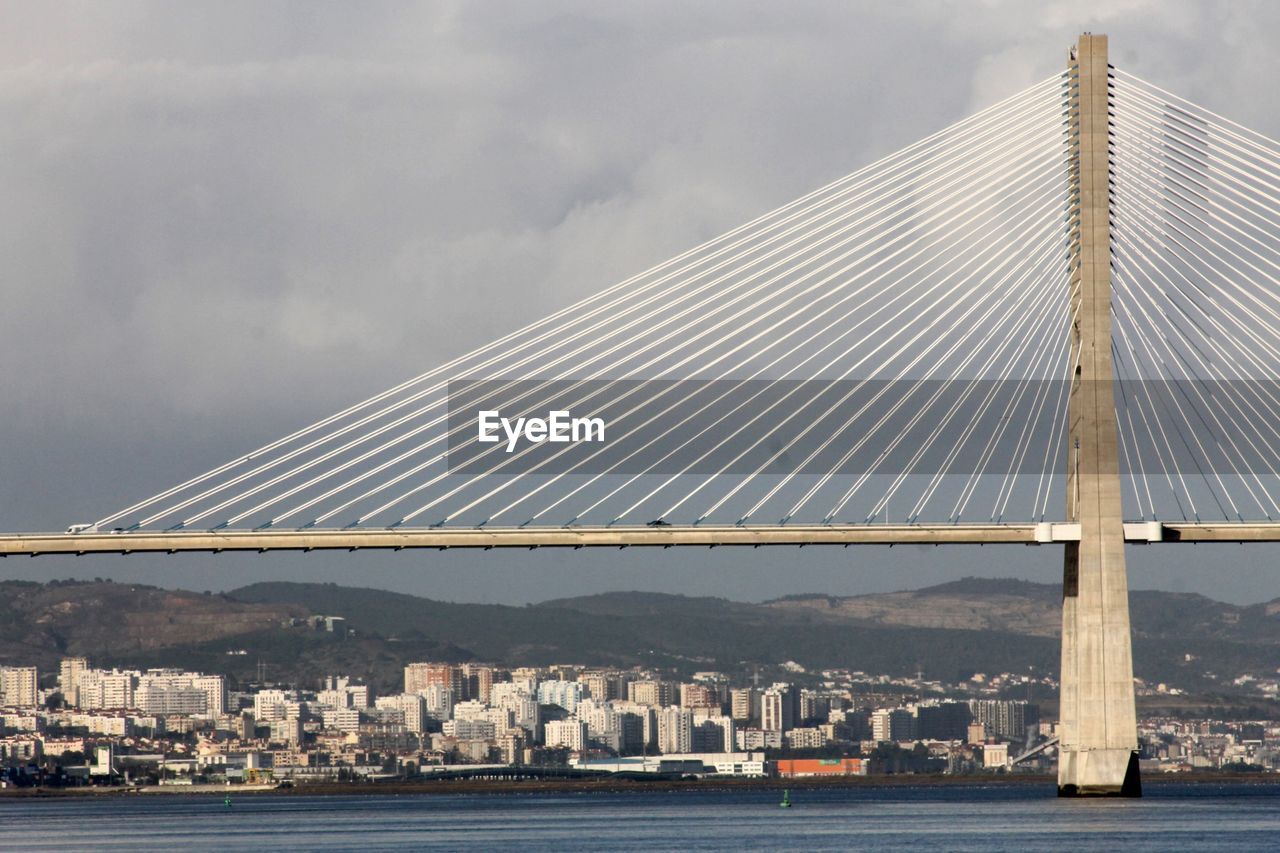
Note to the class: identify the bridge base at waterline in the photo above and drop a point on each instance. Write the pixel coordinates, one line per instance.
(1098, 773)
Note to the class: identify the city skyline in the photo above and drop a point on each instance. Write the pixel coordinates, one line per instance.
(175, 727)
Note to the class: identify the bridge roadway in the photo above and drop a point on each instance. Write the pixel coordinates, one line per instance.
(619, 536)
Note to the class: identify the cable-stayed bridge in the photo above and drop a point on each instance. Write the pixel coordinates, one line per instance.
(893, 348)
(1063, 305)
(893, 352)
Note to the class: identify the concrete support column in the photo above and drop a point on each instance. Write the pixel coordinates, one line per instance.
(1099, 740)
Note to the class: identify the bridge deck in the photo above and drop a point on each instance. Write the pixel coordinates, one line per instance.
(34, 544)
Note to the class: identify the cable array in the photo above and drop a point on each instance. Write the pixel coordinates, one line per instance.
(1195, 236)
(891, 346)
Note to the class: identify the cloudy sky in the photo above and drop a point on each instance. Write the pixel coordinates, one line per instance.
(220, 221)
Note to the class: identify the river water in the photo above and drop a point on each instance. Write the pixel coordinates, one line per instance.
(1018, 818)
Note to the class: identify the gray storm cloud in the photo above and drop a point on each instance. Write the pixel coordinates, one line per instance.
(221, 221)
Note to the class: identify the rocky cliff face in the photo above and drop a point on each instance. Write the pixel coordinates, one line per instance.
(927, 609)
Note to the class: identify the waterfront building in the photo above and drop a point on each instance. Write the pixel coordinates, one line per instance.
(995, 755)
(639, 726)
(570, 733)
(741, 763)
(1004, 718)
(943, 721)
(798, 768)
(713, 733)
(675, 729)
(893, 725)
(779, 708)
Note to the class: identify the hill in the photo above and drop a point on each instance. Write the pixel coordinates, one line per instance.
(1023, 607)
(948, 631)
(40, 623)
(628, 629)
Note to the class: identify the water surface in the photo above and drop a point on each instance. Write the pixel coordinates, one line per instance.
(1015, 818)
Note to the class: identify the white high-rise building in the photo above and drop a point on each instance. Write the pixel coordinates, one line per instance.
(471, 711)
(502, 718)
(333, 699)
(648, 721)
(419, 676)
(601, 718)
(714, 733)
(342, 692)
(571, 733)
(745, 703)
(68, 679)
(286, 731)
(156, 691)
(19, 686)
(269, 705)
(893, 725)
(412, 705)
(526, 679)
(439, 699)
(504, 689)
(470, 729)
(166, 699)
(566, 694)
(523, 706)
(778, 707)
(675, 729)
(215, 691)
(659, 694)
(170, 691)
(100, 689)
(341, 719)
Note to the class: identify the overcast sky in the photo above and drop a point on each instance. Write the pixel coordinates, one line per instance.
(220, 221)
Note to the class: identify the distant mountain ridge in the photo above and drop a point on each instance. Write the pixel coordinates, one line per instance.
(1026, 607)
(84, 618)
(949, 631)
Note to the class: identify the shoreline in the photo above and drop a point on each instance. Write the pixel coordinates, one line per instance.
(430, 787)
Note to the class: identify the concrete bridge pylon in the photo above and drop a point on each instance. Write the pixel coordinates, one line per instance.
(1098, 750)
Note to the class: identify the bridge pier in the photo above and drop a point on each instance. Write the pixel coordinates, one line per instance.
(1098, 748)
